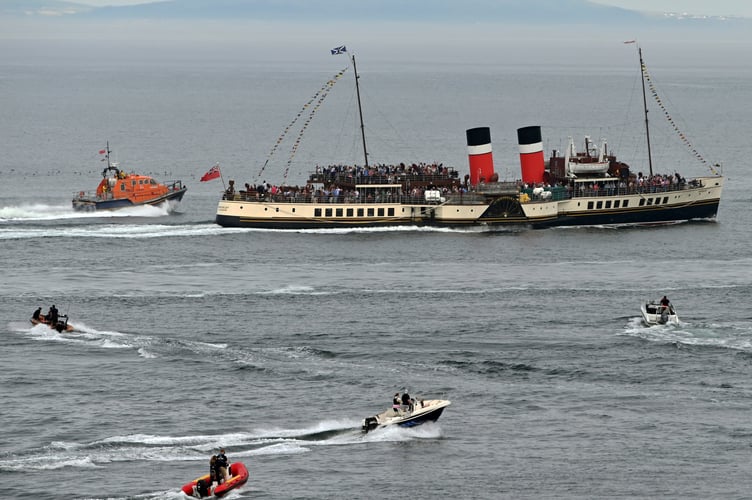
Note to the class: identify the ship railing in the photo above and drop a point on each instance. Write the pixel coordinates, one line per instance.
(645, 189)
(92, 195)
(174, 185)
(498, 188)
(469, 198)
(395, 178)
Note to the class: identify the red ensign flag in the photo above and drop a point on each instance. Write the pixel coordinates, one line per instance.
(213, 173)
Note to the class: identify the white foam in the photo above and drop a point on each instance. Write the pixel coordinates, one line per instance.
(294, 290)
(124, 231)
(146, 354)
(48, 462)
(722, 336)
(429, 430)
(41, 212)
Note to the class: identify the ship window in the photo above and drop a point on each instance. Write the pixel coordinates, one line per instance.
(390, 212)
(616, 203)
(327, 212)
(370, 212)
(625, 204)
(339, 212)
(360, 212)
(650, 201)
(590, 205)
(152, 181)
(133, 182)
(140, 181)
(665, 199)
(349, 212)
(599, 205)
(293, 210)
(276, 209)
(317, 212)
(122, 186)
(381, 212)
(608, 204)
(642, 201)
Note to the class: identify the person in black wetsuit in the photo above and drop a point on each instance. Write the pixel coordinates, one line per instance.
(221, 466)
(52, 316)
(407, 402)
(37, 314)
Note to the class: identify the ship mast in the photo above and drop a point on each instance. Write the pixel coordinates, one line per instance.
(645, 106)
(360, 110)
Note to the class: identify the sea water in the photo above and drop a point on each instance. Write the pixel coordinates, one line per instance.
(277, 344)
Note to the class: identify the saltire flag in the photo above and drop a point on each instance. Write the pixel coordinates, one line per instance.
(102, 151)
(339, 50)
(213, 173)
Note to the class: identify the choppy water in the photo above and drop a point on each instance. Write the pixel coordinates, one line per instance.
(276, 344)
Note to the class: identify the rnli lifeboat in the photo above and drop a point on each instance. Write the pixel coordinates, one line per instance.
(120, 189)
(202, 487)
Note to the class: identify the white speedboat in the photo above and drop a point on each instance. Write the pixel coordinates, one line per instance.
(653, 313)
(422, 411)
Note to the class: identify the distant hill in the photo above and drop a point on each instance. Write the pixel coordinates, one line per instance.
(549, 12)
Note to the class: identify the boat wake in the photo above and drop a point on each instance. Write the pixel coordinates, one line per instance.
(725, 336)
(124, 231)
(146, 346)
(155, 448)
(41, 212)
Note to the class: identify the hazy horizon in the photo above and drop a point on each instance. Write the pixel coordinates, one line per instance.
(741, 8)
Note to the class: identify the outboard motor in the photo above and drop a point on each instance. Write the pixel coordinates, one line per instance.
(202, 488)
(370, 423)
(664, 315)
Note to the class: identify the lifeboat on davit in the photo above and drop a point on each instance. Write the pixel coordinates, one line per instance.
(120, 189)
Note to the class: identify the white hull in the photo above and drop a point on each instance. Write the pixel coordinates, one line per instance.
(602, 208)
(654, 314)
(426, 410)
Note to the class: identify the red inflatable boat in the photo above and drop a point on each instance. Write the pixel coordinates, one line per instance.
(202, 487)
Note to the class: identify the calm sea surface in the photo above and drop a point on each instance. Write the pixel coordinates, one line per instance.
(276, 344)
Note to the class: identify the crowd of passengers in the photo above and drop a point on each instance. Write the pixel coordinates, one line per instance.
(357, 173)
(611, 186)
(331, 192)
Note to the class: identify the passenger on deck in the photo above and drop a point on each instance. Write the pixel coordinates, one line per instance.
(221, 466)
(37, 313)
(52, 315)
(396, 403)
(665, 303)
(213, 476)
(407, 402)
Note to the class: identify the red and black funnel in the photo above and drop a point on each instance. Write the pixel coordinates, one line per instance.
(532, 162)
(479, 154)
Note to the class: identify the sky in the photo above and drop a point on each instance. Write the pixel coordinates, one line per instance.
(742, 8)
